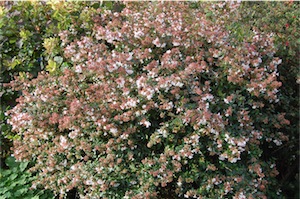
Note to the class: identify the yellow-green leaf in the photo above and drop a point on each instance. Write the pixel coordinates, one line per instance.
(52, 66)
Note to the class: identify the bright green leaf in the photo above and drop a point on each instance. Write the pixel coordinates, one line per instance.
(13, 176)
(52, 66)
(23, 166)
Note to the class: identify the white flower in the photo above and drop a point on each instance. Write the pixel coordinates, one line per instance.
(121, 82)
(163, 132)
(128, 71)
(179, 184)
(242, 196)
(73, 134)
(222, 156)
(148, 92)
(124, 136)
(245, 66)
(250, 89)
(73, 167)
(272, 166)
(140, 82)
(130, 57)
(138, 34)
(208, 97)
(78, 69)
(114, 131)
(233, 160)
(112, 67)
(43, 98)
(277, 142)
(226, 101)
(89, 182)
(156, 42)
(175, 43)
(63, 142)
(146, 123)
(277, 61)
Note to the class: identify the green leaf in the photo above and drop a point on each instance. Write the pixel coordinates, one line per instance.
(2, 116)
(64, 65)
(22, 181)
(7, 195)
(108, 5)
(3, 190)
(13, 176)
(5, 173)
(58, 59)
(11, 162)
(132, 167)
(52, 66)
(12, 41)
(12, 63)
(23, 166)
(23, 190)
(18, 193)
(13, 184)
(1, 185)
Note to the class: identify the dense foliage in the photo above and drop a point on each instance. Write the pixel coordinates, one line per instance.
(15, 182)
(160, 100)
(280, 19)
(29, 42)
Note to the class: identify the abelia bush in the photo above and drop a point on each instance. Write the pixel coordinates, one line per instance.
(161, 101)
(280, 19)
(29, 40)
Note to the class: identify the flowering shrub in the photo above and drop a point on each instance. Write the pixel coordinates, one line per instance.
(279, 19)
(162, 101)
(29, 43)
(287, 42)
